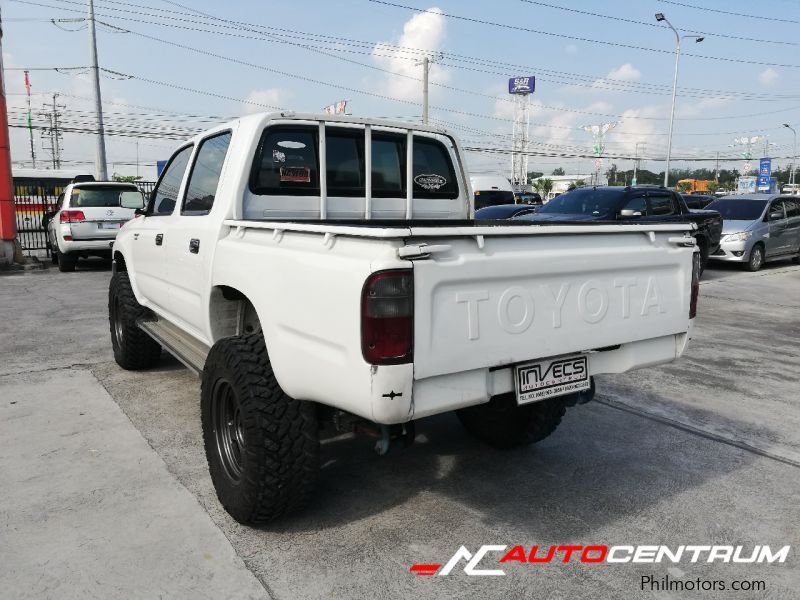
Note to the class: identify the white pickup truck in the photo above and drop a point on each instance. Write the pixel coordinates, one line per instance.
(326, 271)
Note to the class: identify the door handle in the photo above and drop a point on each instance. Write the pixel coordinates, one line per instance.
(159, 239)
(194, 246)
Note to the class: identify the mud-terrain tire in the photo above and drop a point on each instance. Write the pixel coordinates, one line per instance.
(133, 348)
(261, 445)
(503, 424)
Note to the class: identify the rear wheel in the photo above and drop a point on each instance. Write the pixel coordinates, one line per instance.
(756, 260)
(66, 262)
(261, 445)
(502, 423)
(702, 245)
(133, 348)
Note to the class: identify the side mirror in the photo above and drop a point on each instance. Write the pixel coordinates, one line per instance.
(133, 200)
(627, 213)
(775, 216)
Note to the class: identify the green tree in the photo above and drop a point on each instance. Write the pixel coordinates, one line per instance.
(544, 186)
(558, 171)
(125, 178)
(712, 188)
(684, 186)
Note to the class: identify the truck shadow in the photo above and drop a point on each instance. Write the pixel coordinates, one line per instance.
(601, 466)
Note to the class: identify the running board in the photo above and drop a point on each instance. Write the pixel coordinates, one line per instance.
(190, 351)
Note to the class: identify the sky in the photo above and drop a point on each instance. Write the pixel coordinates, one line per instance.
(173, 69)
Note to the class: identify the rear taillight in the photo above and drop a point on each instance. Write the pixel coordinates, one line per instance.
(387, 317)
(695, 285)
(72, 216)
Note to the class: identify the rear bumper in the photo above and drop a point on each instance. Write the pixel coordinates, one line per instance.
(445, 393)
(91, 245)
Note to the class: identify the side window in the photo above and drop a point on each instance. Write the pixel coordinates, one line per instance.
(60, 201)
(661, 204)
(204, 176)
(776, 206)
(344, 161)
(638, 204)
(286, 162)
(434, 175)
(792, 207)
(165, 194)
(388, 166)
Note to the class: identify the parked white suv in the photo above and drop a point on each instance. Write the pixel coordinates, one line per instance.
(87, 219)
(322, 270)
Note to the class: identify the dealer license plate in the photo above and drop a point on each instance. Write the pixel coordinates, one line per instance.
(550, 377)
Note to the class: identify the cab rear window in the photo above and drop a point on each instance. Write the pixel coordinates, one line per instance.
(287, 163)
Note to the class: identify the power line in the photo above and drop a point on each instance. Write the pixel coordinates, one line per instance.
(734, 14)
(589, 81)
(645, 23)
(584, 80)
(578, 38)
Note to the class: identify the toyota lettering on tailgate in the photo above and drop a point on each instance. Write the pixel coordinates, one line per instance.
(517, 307)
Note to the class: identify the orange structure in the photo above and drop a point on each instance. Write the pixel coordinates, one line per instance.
(696, 185)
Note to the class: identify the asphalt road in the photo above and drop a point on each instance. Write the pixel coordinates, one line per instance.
(704, 451)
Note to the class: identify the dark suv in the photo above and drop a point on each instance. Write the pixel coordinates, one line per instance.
(640, 204)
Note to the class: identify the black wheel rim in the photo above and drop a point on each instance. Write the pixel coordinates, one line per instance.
(228, 430)
(116, 319)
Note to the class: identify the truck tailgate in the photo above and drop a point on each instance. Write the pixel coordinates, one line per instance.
(525, 297)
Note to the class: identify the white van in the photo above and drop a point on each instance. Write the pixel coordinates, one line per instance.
(491, 190)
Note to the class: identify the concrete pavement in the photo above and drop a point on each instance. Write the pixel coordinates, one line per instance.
(607, 476)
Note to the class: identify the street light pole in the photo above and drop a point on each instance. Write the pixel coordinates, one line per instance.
(794, 155)
(660, 17)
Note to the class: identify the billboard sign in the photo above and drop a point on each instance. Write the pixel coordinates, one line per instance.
(764, 175)
(521, 85)
(746, 185)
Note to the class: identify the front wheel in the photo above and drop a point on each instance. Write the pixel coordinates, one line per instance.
(502, 423)
(756, 260)
(133, 348)
(261, 445)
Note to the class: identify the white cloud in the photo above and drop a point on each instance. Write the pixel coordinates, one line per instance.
(626, 72)
(768, 76)
(424, 30)
(261, 100)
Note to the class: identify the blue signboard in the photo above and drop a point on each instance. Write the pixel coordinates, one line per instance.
(764, 175)
(160, 164)
(521, 85)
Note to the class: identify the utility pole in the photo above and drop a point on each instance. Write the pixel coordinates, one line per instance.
(794, 155)
(716, 170)
(636, 162)
(426, 67)
(30, 124)
(56, 134)
(426, 63)
(100, 150)
(51, 134)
